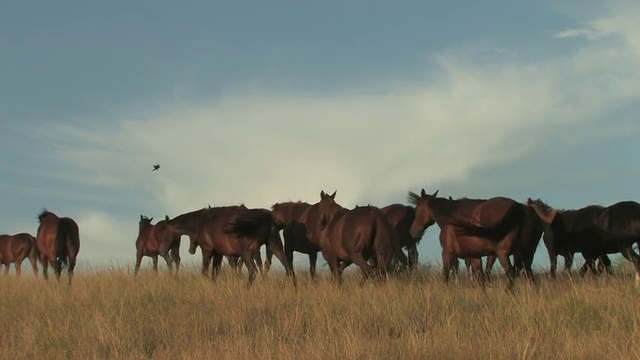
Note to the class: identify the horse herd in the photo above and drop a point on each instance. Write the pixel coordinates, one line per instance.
(370, 237)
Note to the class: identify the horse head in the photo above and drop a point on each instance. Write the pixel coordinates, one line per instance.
(424, 215)
(545, 212)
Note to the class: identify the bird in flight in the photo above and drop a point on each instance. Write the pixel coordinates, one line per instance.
(156, 167)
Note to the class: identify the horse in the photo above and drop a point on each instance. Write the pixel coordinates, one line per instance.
(58, 243)
(16, 248)
(594, 231)
(189, 223)
(400, 217)
(500, 224)
(152, 242)
(356, 235)
(237, 231)
(298, 222)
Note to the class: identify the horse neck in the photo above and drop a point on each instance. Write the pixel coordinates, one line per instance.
(443, 210)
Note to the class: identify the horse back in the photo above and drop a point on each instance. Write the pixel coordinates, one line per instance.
(493, 210)
(621, 219)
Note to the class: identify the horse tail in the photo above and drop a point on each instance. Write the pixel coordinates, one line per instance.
(514, 217)
(34, 254)
(250, 223)
(386, 244)
(65, 234)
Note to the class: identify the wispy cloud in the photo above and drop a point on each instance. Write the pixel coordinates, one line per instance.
(262, 147)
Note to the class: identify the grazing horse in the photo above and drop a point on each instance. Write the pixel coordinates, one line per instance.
(152, 242)
(400, 217)
(356, 235)
(298, 221)
(501, 221)
(237, 231)
(189, 224)
(16, 248)
(58, 243)
(594, 231)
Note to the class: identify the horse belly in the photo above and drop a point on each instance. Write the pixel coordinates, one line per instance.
(474, 247)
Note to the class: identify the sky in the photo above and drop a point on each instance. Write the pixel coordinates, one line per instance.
(256, 103)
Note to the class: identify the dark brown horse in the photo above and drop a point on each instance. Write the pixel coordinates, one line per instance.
(58, 243)
(595, 231)
(298, 221)
(152, 242)
(16, 248)
(356, 236)
(236, 231)
(189, 224)
(401, 217)
(482, 228)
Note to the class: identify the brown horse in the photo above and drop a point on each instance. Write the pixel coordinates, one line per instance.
(189, 223)
(236, 231)
(298, 221)
(58, 243)
(501, 221)
(356, 235)
(16, 248)
(594, 231)
(152, 242)
(401, 217)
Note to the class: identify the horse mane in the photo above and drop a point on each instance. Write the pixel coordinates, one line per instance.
(289, 203)
(413, 198)
(44, 213)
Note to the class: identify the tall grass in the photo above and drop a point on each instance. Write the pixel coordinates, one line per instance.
(108, 313)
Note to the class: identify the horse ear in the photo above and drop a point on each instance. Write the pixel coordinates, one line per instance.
(333, 196)
(423, 193)
(450, 198)
(322, 194)
(166, 218)
(435, 193)
(141, 216)
(151, 219)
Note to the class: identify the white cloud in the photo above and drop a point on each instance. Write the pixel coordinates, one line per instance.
(264, 147)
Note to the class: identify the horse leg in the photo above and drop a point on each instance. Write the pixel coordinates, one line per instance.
(206, 260)
(155, 263)
(18, 266)
(479, 276)
(34, 265)
(138, 261)
(455, 267)
(635, 258)
(313, 259)
(57, 268)
(568, 262)
(277, 250)
(288, 255)
(169, 262)
(447, 259)
(257, 257)
(412, 251)
(247, 257)
(334, 267)
(216, 266)
(491, 260)
(6, 267)
(45, 266)
(510, 271)
(175, 256)
(71, 266)
(606, 262)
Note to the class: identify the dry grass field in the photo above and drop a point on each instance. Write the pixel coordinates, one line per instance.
(109, 314)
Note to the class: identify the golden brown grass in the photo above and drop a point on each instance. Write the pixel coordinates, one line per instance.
(109, 314)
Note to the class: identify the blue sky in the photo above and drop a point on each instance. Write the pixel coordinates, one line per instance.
(257, 103)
